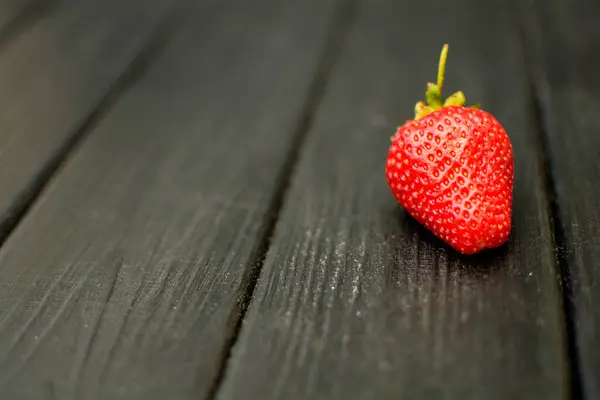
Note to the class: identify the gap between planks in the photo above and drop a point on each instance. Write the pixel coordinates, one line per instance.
(340, 25)
(562, 267)
(130, 75)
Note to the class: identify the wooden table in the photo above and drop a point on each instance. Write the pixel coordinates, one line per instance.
(193, 202)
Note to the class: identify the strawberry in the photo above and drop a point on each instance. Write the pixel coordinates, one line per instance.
(451, 168)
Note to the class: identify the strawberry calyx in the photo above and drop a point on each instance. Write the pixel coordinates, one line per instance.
(433, 96)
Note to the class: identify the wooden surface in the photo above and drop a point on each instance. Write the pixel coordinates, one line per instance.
(193, 202)
(146, 239)
(53, 77)
(354, 300)
(16, 15)
(565, 44)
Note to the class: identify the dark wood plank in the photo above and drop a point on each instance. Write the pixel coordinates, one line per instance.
(355, 300)
(15, 13)
(124, 281)
(18, 15)
(52, 77)
(566, 59)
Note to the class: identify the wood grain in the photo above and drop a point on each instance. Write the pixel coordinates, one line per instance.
(125, 279)
(565, 38)
(355, 300)
(52, 78)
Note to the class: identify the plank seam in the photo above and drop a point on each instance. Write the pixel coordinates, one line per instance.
(342, 21)
(128, 78)
(535, 72)
(562, 264)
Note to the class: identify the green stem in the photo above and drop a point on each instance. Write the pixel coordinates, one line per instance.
(433, 95)
(442, 68)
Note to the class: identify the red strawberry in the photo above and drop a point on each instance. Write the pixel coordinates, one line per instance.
(451, 168)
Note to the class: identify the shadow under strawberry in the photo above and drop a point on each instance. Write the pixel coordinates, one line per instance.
(488, 259)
